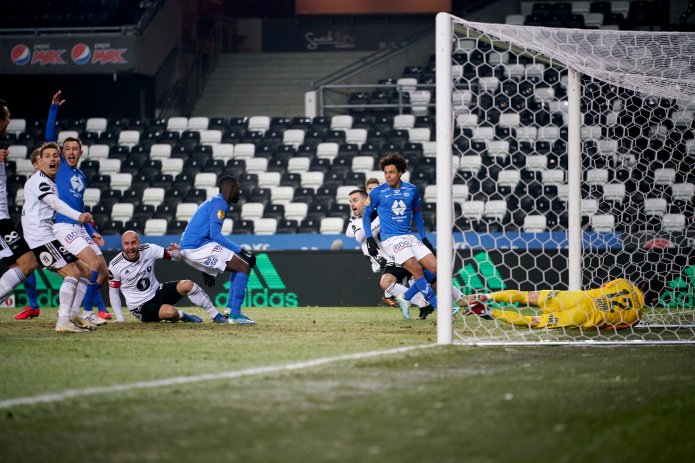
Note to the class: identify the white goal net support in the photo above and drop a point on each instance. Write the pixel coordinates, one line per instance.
(573, 161)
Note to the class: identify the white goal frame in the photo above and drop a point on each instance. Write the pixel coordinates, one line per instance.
(444, 181)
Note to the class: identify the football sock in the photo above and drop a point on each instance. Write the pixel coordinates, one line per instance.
(30, 290)
(80, 291)
(198, 297)
(509, 296)
(237, 297)
(456, 293)
(431, 277)
(411, 292)
(66, 294)
(99, 302)
(396, 290)
(230, 297)
(11, 278)
(419, 300)
(426, 290)
(89, 296)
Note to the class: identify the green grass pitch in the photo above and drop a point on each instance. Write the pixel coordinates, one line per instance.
(436, 404)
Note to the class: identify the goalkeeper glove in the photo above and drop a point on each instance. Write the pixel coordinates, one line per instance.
(248, 257)
(208, 279)
(372, 247)
(382, 262)
(429, 246)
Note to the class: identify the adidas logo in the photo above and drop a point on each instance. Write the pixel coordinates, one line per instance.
(47, 287)
(264, 289)
(480, 275)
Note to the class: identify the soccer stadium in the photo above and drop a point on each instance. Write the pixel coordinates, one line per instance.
(340, 230)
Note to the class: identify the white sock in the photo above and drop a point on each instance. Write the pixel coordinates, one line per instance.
(66, 294)
(11, 278)
(198, 297)
(396, 289)
(419, 300)
(79, 296)
(456, 293)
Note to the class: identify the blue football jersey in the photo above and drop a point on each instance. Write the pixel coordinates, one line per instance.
(206, 226)
(396, 208)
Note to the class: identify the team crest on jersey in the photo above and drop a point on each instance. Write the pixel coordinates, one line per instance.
(46, 258)
(77, 183)
(367, 202)
(217, 248)
(220, 214)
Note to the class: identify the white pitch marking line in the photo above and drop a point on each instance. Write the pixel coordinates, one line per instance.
(70, 393)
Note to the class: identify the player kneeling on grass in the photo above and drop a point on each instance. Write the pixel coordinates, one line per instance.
(132, 273)
(617, 304)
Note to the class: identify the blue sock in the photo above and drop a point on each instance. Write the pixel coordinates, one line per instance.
(91, 289)
(426, 291)
(430, 276)
(30, 289)
(99, 302)
(411, 292)
(237, 291)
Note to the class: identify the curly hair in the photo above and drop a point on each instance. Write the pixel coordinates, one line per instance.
(393, 159)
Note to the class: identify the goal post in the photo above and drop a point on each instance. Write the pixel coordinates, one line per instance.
(564, 160)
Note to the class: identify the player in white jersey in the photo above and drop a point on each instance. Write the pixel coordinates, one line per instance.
(14, 250)
(132, 273)
(41, 202)
(392, 275)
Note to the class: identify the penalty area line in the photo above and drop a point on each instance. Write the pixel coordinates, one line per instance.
(176, 380)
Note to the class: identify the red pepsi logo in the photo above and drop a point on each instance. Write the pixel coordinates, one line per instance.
(20, 54)
(81, 54)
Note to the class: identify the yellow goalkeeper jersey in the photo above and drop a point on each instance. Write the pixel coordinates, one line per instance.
(617, 304)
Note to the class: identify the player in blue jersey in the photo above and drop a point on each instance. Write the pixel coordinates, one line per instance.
(397, 203)
(81, 240)
(204, 247)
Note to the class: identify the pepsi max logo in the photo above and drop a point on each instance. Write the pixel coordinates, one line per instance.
(81, 54)
(20, 54)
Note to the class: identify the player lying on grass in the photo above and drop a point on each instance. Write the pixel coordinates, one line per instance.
(617, 304)
(132, 273)
(392, 275)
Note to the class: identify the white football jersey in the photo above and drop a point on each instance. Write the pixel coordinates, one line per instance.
(354, 230)
(37, 215)
(4, 210)
(136, 280)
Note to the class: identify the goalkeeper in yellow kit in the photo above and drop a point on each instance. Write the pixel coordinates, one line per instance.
(617, 304)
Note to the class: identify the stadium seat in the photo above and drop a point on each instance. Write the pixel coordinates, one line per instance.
(296, 211)
(92, 196)
(122, 212)
(121, 182)
(155, 227)
(673, 223)
(281, 194)
(265, 226)
(198, 123)
(332, 226)
(176, 227)
(177, 124)
(535, 224)
(308, 226)
(258, 124)
(287, 227)
(252, 210)
(603, 223)
(184, 211)
(243, 227)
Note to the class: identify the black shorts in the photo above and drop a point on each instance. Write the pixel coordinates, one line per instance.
(53, 255)
(399, 272)
(11, 241)
(166, 294)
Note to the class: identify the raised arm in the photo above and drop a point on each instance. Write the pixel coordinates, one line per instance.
(51, 133)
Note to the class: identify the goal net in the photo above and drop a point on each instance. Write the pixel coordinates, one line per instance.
(573, 154)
